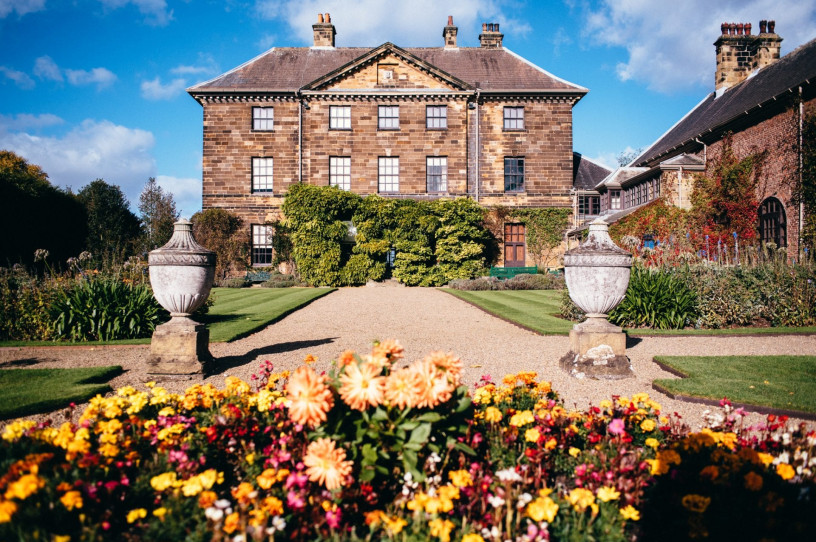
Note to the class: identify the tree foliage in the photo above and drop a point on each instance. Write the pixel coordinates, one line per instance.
(113, 230)
(223, 233)
(158, 213)
(35, 214)
(806, 193)
(544, 230)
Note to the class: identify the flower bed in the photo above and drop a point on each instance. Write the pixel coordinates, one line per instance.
(379, 449)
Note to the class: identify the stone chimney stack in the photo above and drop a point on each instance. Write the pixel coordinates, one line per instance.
(324, 31)
(740, 53)
(449, 34)
(491, 38)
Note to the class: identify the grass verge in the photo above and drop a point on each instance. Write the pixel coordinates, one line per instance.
(777, 382)
(24, 392)
(531, 309)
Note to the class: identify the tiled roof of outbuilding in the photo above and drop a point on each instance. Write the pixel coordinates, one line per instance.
(714, 112)
(586, 174)
(287, 69)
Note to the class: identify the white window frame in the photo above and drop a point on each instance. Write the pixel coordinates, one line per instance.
(388, 174)
(263, 119)
(340, 117)
(436, 174)
(340, 172)
(512, 173)
(262, 253)
(262, 174)
(614, 200)
(436, 117)
(514, 117)
(388, 117)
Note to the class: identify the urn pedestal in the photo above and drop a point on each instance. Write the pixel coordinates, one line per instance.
(597, 276)
(181, 274)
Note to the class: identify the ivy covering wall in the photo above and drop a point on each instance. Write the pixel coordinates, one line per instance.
(434, 242)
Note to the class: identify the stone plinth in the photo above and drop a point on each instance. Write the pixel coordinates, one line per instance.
(597, 350)
(179, 347)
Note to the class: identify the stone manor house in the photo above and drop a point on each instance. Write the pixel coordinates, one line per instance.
(424, 123)
(759, 99)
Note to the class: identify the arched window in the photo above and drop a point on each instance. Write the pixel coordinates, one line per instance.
(772, 223)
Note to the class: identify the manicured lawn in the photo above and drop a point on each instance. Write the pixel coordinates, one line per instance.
(30, 391)
(784, 382)
(533, 309)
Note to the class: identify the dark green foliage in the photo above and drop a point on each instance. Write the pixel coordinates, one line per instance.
(519, 282)
(30, 207)
(544, 230)
(106, 310)
(158, 213)
(805, 193)
(434, 242)
(280, 280)
(656, 300)
(24, 302)
(234, 282)
(113, 230)
(223, 233)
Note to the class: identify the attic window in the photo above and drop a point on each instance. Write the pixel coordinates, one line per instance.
(388, 117)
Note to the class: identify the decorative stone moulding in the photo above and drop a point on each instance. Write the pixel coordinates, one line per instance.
(181, 274)
(597, 275)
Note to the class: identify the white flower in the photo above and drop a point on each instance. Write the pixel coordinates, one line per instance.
(222, 504)
(508, 475)
(523, 499)
(278, 523)
(239, 538)
(495, 501)
(214, 514)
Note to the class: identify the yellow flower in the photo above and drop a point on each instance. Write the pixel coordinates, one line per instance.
(608, 493)
(766, 459)
(580, 498)
(574, 452)
(551, 444)
(163, 481)
(7, 509)
(492, 415)
(483, 395)
(231, 523)
(652, 443)
(71, 500)
(532, 435)
(441, 529)
(160, 512)
(393, 525)
(785, 471)
(630, 512)
(648, 425)
(522, 418)
(542, 509)
(472, 537)
(753, 481)
(207, 499)
(326, 463)
(460, 478)
(273, 505)
(26, 485)
(696, 503)
(605, 404)
(136, 515)
(712, 472)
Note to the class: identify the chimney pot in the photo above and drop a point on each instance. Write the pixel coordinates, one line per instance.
(747, 29)
(497, 27)
(763, 26)
(324, 31)
(732, 29)
(450, 20)
(724, 28)
(319, 17)
(740, 27)
(328, 18)
(484, 27)
(771, 27)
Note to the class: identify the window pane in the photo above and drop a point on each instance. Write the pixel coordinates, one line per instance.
(388, 117)
(514, 174)
(263, 118)
(340, 172)
(340, 117)
(388, 177)
(262, 174)
(261, 244)
(513, 118)
(436, 116)
(436, 173)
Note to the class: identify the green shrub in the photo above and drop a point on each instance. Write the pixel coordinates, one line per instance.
(235, 282)
(479, 284)
(24, 302)
(570, 310)
(106, 310)
(526, 281)
(657, 300)
(280, 280)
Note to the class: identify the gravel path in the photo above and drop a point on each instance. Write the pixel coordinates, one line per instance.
(423, 320)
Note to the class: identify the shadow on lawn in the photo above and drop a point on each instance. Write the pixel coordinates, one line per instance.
(230, 362)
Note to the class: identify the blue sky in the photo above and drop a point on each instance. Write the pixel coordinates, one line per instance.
(95, 88)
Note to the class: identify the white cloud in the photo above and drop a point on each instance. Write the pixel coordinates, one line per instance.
(91, 150)
(186, 193)
(669, 44)
(101, 77)
(26, 121)
(20, 6)
(206, 65)
(21, 79)
(46, 68)
(156, 11)
(371, 22)
(155, 90)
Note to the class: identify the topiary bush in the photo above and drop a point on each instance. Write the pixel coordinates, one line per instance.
(106, 310)
(657, 300)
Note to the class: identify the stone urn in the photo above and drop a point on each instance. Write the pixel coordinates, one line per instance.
(181, 274)
(597, 276)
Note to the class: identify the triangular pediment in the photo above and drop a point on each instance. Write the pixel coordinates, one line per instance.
(385, 68)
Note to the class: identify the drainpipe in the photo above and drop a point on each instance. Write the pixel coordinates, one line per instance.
(478, 149)
(300, 137)
(705, 150)
(801, 165)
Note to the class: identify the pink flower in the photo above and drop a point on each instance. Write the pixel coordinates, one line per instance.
(616, 427)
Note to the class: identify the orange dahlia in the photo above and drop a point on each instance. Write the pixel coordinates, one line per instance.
(362, 385)
(448, 365)
(310, 398)
(387, 352)
(403, 388)
(326, 463)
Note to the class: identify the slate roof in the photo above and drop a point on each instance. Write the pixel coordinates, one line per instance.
(616, 178)
(288, 69)
(737, 102)
(586, 174)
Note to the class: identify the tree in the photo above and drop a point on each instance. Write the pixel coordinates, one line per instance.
(626, 157)
(806, 192)
(113, 230)
(158, 213)
(34, 214)
(223, 233)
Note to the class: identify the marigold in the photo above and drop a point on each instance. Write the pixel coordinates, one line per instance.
(326, 463)
(652, 443)
(492, 415)
(207, 499)
(71, 500)
(580, 498)
(574, 452)
(163, 481)
(362, 386)
(310, 399)
(648, 425)
(472, 537)
(533, 434)
(630, 512)
(403, 388)
(231, 523)
(25, 486)
(522, 418)
(136, 514)
(785, 471)
(460, 478)
(542, 509)
(608, 493)
(441, 528)
(273, 505)
(7, 509)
